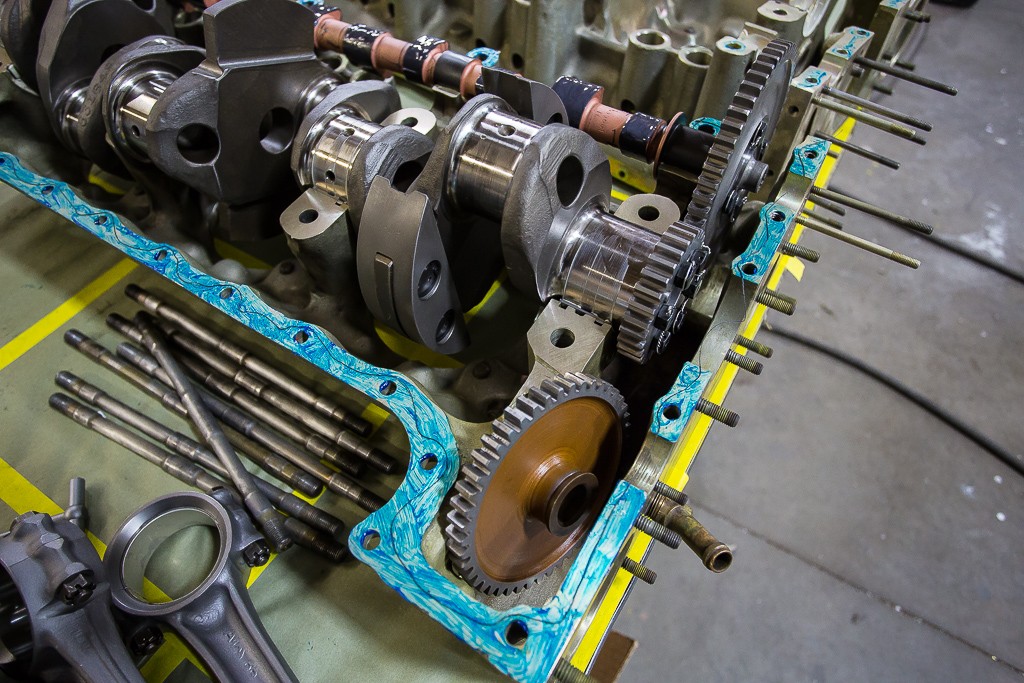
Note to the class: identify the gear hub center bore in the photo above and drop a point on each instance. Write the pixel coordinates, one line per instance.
(551, 464)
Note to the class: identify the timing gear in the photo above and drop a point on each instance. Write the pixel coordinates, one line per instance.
(733, 166)
(529, 494)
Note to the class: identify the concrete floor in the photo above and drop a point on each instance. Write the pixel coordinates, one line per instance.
(873, 543)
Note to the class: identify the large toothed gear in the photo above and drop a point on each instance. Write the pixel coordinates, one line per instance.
(733, 166)
(658, 300)
(530, 493)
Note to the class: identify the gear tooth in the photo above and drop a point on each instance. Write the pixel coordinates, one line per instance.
(501, 432)
(467, 489)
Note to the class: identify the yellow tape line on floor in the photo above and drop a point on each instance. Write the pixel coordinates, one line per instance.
(56, 318)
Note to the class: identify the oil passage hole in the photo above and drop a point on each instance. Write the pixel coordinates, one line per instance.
(811, 154)
(428, 462)
(387, 388)
(301, 337)
(517, 61)
(226, 293)
(506, 130)
(308, 216)
(161, 255)
(47, 189)
(777, 216)
(627, 106)
(671, 412)
(749, 269)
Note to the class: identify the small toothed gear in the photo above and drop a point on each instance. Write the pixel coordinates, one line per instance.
(733, 166)
(657, 303)
(527, 497)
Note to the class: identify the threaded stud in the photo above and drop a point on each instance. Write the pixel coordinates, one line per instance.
(677, 497)
(717, 412)
(743, 362)
(658, 531)
(903, 259)
(381, 461)
(645, 574)
(370, 502)
(790, 249)
(776, 301)
(755, 346)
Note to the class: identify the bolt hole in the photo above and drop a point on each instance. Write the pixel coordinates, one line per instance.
(226, 293)
(301, 337)
(308, 216)
(777, 216)
(428, 462)
(198, 143)
(648, 213)
(517, 61)
(445, 327)
(671, 412)
(387, 388)
(651, 38)
(569, 180)
(430, 278)
(516, 634)
(506, 130)
(562, 338)
(370, 540)
(749, 269)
